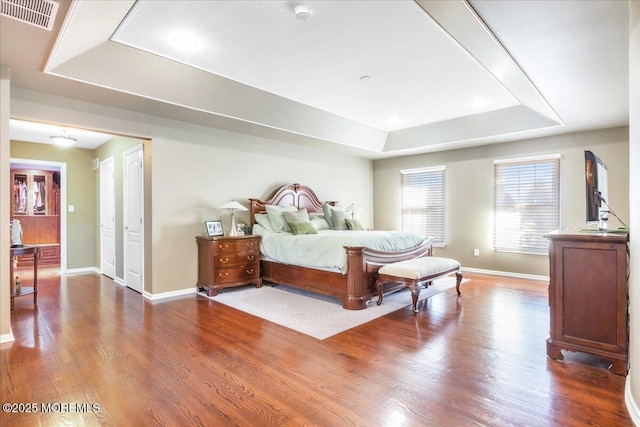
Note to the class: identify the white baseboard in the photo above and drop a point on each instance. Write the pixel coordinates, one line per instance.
(507, 274)
(170, 294)
(84, 270)
(632, 407)
(5, 338)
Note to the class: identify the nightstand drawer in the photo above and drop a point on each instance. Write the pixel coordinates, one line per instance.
(234, 259)
(229, 246)
(232, 275)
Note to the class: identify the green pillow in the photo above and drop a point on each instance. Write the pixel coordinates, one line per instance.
(354, 224)
(302, 228)
(276, 217)
(326, 209)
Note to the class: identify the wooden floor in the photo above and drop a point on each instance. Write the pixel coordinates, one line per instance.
(477, 360)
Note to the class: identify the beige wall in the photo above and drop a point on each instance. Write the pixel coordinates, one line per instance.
(469, 191)
(195, 170)
(199, 170)
(633, 380)
(113, 148)
(80, 194)
(5, 314)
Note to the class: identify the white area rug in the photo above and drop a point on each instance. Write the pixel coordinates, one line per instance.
(317, 315)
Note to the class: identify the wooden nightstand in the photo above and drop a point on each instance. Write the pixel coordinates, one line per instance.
(224, 262)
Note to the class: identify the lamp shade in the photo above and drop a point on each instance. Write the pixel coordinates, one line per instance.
(353, 208)
(233, 205)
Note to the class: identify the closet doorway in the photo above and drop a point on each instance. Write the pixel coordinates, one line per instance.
(38, 193)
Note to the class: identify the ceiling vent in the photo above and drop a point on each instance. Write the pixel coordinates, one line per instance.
(41, 13)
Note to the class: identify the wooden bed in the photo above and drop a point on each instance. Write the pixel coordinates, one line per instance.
(356, 287)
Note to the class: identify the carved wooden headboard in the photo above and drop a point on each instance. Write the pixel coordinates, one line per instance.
(296, 195)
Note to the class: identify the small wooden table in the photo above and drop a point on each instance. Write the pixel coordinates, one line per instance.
(25, 290)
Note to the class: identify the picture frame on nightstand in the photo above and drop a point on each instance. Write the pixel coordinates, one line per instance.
(214, 228)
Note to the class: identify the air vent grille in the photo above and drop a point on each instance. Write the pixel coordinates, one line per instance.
(41, 13)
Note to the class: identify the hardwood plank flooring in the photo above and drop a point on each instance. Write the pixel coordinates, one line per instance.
(477, 360)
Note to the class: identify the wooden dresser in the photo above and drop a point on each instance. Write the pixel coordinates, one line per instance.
(588, 296)
(224, 262)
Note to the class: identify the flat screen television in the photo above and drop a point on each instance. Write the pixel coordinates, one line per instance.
(596, 188)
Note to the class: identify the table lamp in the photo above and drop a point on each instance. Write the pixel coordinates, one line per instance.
(233, 206)
(354, 209)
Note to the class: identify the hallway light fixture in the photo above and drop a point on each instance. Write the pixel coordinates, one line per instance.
(62, 139)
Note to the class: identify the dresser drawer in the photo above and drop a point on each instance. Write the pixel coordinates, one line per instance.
(234, 259)
(240, 245)
(232, 275)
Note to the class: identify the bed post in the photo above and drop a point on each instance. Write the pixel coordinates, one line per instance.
(357, 283)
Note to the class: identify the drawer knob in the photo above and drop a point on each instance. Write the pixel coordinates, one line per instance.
(249, 271)
(225, 274)
(250, 244)
(225, 246)
(250, 257)
(224, 260)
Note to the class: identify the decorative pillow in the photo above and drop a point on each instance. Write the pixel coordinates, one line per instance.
(297, 216)
(326, 208)
(263, 220)
(276, 217)
(259, 230)
(354, 224)
(339, 218)
(316, 215)
(304, 227)
(320, 224)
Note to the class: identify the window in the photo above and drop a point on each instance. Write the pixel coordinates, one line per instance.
(526, 203)
(423, 202)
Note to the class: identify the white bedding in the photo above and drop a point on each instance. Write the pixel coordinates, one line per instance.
(325, 250)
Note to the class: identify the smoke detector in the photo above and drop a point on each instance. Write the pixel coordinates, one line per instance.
(302, 12)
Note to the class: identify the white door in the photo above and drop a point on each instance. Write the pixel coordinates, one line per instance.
(133, 183)
(107, 219)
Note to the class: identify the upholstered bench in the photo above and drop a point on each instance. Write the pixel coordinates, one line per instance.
(417, 272)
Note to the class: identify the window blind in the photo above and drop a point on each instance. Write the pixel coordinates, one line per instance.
(526, 203)
(423, 202)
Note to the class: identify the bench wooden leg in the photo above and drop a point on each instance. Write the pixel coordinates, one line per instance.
(458, 281)
(415, 294)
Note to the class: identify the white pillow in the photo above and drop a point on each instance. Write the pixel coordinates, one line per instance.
(296, 216)
(259, 230)
(320, 224)
(263, 220)
(339, 218)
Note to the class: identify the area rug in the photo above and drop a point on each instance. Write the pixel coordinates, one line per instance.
(313, 314)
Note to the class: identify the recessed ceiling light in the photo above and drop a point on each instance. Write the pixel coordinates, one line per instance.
(302, 12)
(185, 41)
